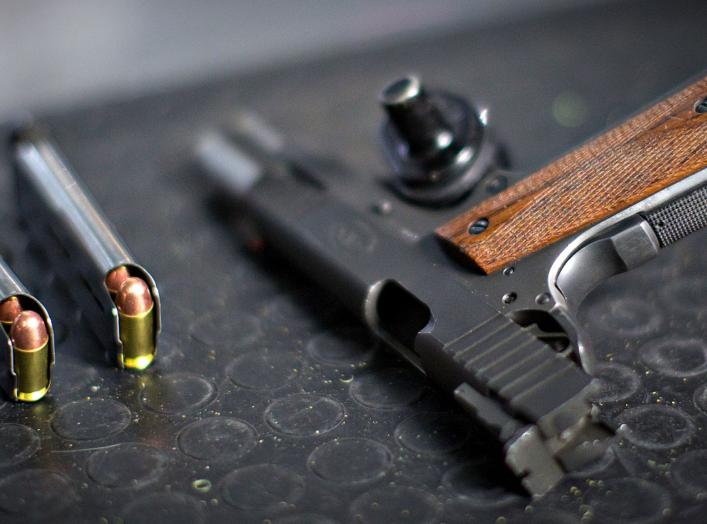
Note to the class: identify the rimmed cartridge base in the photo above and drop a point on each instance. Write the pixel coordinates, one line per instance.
(32, 396)
(139, 363)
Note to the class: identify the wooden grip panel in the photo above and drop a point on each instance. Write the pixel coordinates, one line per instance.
(645, 154)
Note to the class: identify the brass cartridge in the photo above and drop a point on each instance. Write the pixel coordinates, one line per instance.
(136, 321)
(30, 340)
(31, 345)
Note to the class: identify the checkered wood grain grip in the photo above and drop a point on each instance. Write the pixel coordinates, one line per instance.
(652, 150)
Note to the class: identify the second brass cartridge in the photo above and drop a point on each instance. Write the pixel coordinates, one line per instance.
(119, 297)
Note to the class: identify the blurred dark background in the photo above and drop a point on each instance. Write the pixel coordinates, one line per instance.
(72, 51)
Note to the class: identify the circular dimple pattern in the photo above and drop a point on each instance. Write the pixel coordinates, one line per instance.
(684, 294)
(548, 516)
(217, 438)
(481, 483)
(395, 504)
(676, 357)
(595, 467)
(170, 352)
(629, 500)
(17, 444)
(432, 433)
(91, 419)
(689, 474)
(70, 376)
(226, 328)
(261, 487)
(130, 465)
(174, 508)
(177, 393)
(304, 415)
(656, 427)
(351, 461)
(302, 312)
(305, 518)
(387, 389)
(626, 317)
(344, 347)
(263, 370)
(35, 493)
(613, 383)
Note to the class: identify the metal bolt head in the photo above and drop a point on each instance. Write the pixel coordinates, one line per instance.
(701, 106)
(542, 299)
(509, 298)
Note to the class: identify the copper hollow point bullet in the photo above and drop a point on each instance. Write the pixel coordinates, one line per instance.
(137, 324)
(9, 309)
(31, 356)
(116, 278)
(133, 297)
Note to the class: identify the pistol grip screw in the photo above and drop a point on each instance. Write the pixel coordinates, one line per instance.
(701, 106)
(509, 298)
(478, 227)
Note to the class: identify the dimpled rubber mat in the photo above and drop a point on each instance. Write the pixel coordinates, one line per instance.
(268, 403)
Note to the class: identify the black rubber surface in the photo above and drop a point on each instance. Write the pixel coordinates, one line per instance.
(267, 402)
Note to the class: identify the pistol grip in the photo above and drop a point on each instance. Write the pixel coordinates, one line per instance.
(649, 152)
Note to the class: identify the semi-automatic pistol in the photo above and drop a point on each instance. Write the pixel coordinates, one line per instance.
(475, 281)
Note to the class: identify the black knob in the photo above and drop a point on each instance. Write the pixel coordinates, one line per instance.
(416, 119)
(436, 142)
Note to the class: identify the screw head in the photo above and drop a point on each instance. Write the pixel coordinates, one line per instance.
(479, 226)
(509, 298)
(701, 106)
(542, 299)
